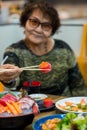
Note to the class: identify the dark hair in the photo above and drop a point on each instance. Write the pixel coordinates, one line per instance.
(46, 8)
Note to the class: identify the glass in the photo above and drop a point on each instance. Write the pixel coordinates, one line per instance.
(34, 23)
(32, 86)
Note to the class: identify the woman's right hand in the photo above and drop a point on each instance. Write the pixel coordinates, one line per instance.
(10, 74)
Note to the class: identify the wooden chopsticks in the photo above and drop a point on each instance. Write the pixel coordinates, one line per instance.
(32, 69)
(28, 67)
(5, 70)
(22, 68)
(25, 68)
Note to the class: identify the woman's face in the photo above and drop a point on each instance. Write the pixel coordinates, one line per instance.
(38, 27)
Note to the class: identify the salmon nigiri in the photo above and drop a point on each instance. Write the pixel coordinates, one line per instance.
(45, 67)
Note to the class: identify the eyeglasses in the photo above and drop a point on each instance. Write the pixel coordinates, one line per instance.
(34, 23)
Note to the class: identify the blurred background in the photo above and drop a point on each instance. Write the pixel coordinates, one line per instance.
(72, 13)
(67, 8)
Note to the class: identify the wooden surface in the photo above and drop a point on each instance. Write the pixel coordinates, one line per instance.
(42, 114)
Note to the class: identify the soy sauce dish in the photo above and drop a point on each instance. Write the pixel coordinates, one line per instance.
(38, 96)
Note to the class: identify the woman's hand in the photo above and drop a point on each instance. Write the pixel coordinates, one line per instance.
(10, 74)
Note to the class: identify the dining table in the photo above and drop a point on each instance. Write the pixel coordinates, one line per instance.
(55, 98)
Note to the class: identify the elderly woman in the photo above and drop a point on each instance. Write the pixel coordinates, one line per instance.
(41, 21)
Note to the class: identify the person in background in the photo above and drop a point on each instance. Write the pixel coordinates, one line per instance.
(40, 21)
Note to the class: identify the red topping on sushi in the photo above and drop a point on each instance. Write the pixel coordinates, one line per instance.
(45, 66)
(48, 102)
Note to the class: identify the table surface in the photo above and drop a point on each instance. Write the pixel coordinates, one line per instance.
(42, 114)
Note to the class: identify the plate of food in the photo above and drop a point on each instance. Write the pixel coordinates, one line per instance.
(38, 96)
(72, 104)
(21, 110)
(46, 104)
(37, 125)
(69, 121)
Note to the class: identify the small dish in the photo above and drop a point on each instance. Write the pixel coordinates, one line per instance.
(38, 96)
(42, 108)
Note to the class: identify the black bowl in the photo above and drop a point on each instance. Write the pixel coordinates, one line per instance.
(15, 122)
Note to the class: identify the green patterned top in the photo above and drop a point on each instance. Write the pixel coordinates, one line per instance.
(65, 77)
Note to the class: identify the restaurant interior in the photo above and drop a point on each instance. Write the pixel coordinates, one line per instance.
(73, 30)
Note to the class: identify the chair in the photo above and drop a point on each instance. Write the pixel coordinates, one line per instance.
(82, 59)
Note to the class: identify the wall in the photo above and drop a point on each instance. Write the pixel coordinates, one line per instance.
(9, 34)
(71, 33)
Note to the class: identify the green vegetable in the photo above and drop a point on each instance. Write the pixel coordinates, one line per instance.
(65, 127)
(59, 126)
(80, 123)
(1, 95)
(68, 118)
(72, 121)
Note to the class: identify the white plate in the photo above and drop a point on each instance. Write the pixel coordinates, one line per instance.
(74, 100)
(38, 97)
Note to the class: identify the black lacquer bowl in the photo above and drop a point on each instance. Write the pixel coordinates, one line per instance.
(15, 122)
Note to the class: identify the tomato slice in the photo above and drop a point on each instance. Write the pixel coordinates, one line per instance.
(3, 102)
(48, 102)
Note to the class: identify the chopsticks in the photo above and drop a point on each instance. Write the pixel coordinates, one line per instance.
(23, 69)
(4, 60)
(28, 67)
(32, 68)
(5, 70)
